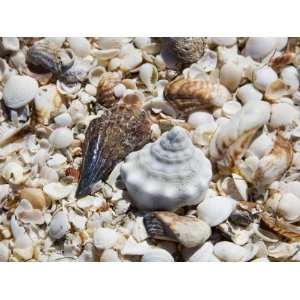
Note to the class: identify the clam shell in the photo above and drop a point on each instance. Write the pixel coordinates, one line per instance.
(248, 93)
(162, 175)
(276, 90)
(157, 255)
(230, 252)
(95, 75)
(290, 77)
(59, 225)
(263, 77)
(215, 210)
(224, 41)
(188, 231)
(112, 42)
(19, 90)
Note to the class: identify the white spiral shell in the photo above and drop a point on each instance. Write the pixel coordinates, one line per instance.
(168, 173)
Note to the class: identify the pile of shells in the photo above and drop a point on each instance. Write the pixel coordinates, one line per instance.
(150, 149)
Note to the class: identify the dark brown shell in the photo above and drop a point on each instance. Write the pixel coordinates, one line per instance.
(109, 139)
(105, 93)
(187, 95)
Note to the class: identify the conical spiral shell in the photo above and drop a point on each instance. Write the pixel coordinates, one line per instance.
(168, 173)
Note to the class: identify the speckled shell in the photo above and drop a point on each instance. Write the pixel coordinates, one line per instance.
(186, 49)
(187, 96)
(105, 92)
(167, 174)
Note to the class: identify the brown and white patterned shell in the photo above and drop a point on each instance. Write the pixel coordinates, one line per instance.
(105, 92)
(187, 95)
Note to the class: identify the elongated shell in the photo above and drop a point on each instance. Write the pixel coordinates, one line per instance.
(187, 96)
(167, 174)
(189, 231)
(232, 139)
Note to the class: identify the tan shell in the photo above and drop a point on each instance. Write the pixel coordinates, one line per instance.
(105, 92)
(35, 196)
(187, 96)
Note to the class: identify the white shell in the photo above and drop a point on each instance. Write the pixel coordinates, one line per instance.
(95, 74)
(231, 75)
(283, 114)
(248, 93)
(59, 225)
(260, 47)
(215, 210)
(10, 43)
(19, 91)
(61, 138)
(200, 118)
(157, 255)
(57, 191)
(109, 255)
(80, 45)
(4, 251)
(290, 77)
(204, 133)
(54, 42)
(230, 252)
(130, 58)
(77, 111)
(105, 238)
(148, 74)
(224, 41)
(204, 254)
(5, 190)
(263, 77)
(230, 108)
(63, 120)
(131, 247)
(4, 69)
(112, 42)
(141, 42)
(13, 173)
(91, 202)
(261, 145)
(167, 174)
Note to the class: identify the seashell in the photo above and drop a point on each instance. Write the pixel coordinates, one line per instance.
(119, 90)
(13, 173)
(276, 90)
(105, 89)
(215, 210)
(148, 74)
(290, 77)
(230, 108)
(35, 196)
(204, 254)
(263, 77)
(105, 54)
(91, 203)
(19, 91)
(261, 146)
(157, 255)
(231, 140)
(61, 138)
(59, 225)
(186, 50)
(187, 96)
(80, 45)
(224, 41)
(231, 75)
(260, 47)
(25, 213)
(5, 190)
(63, 120)
(77, 111)
(105, 238)
(4, 251)
(4, 70)
(204, 133)
(282, 60)
(130, 58)
(112, 42)
(248, 93)
(95, 75)
(131, 247)
(199, 118)
(53, 42)
(10, 43)
(282, 251)
(141, 42)
(163, 166)
(283, 114)
(188, 231)
(230, 252)
(109, 255)
(56, 160)
(47, 102)
(57, 191)
(48, 174)
(125, 122)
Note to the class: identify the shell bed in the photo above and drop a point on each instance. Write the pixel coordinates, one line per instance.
(150, 149)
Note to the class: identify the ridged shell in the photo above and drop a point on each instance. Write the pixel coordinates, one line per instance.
(187, 96)
(105, 89)
(168, 173)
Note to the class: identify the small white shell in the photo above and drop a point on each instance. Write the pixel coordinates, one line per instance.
(56, 160)
(148, 74)
(105, 238)
(10, 43)
(91, 203)
(231, 75)
(290, 77)
(13, 173)
(63, 120)
(200, 118)
(141, 42)
(263, 77)
(131, 247)
(204, 254)
(283, 114)
(54, 42)
(130, 58)
(80, 45)
(109, 255)
(157, 255)
(215, 210)
(4, 70)
(57, 191)
(204, 133)
(248, 93)
(4, 251)
(61, 138)
(230, 108)
(261, 145)
(95, 74)
(112, 42)
(19, 91)
(230, 252)
(59, 225)
(5, 190)
(224, 41)
(77, 111)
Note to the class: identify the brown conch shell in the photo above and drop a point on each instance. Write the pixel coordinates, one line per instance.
(110, 138)
(105, 93)
(187, 95)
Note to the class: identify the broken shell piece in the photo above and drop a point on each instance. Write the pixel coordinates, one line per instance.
(204, 254)
(10, 43)
(59, 226)
(165, 165)
(130, 58)
(230, 252)
(19, 91)
(157, 255)
(282, 251)
(148, 74)
(109, 255)
(5, 190)
(105, 238)
(223, 41)
(25, 213)
(35, 196)
(61, 138)
(290, 77)
(131, 247)
(91, 203)
(112, 42)
(57, 191)
(276, 90)
(188, 231)
(4, 251)
(13, 173)
(248, 93)
(215, 210)
(203, 134)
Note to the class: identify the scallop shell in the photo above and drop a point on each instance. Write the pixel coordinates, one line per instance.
(19, 90)
(231, 140)
(47, 102)
(187, 96)
(105, 89)
(167, 174)
(188, 231)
